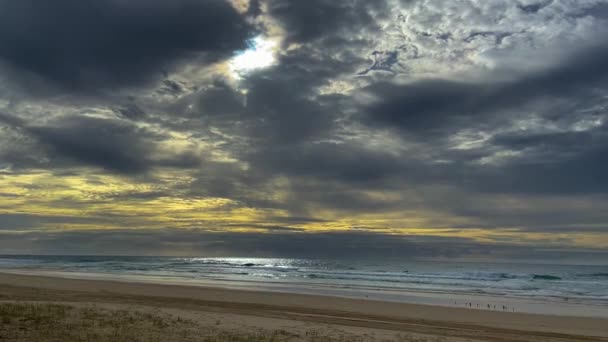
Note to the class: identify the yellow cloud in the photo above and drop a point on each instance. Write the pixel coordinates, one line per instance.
(83, 199)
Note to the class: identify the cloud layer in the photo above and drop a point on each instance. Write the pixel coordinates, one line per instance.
(472, 123)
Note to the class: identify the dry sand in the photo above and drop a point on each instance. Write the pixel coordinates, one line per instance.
(302, 315)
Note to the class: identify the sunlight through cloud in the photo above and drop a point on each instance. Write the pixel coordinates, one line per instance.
(259, 55)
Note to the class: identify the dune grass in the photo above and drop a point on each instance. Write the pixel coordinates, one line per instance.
(20, 322)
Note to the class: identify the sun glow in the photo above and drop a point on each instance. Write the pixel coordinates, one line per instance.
(260, 54)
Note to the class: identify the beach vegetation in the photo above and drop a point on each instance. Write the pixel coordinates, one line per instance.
(49, 322)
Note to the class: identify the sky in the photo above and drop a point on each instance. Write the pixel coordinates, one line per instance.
(410, 128)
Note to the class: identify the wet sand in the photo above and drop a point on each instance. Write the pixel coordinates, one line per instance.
(298, 311)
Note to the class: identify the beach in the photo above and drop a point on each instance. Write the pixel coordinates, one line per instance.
(570, 290)
(247, 311)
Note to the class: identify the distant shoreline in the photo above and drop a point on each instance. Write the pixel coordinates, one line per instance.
(299, 307)
(478, 302)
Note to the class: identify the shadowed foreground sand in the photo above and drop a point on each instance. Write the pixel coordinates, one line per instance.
(33, 308)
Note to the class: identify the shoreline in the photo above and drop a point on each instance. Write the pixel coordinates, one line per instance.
(315, 309)
(479, 302)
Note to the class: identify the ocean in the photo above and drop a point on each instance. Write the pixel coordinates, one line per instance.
(428, 282)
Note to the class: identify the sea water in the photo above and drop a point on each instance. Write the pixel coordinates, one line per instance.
(483, 285)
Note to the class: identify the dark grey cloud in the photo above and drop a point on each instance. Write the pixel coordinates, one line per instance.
(16, 221)
(87, 46)
(307, 21)
(535, 7)
(567, 162)
(131, 111)
(598, 10)
(298, 219)
(351, 244)
(347, 163)
(114, 145)
(348, 245)
(23, 222)
(498, 36)
(582, 173)
(434, 106)
(139, 195)
(8, 195)
(281, 105)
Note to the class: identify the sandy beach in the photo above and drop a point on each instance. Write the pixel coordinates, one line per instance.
(245, 312)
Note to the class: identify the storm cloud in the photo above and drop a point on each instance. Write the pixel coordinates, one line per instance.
(110, 144)
(419, 127)
(113, 42)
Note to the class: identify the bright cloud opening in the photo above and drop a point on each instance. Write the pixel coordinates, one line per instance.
(260, 54)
